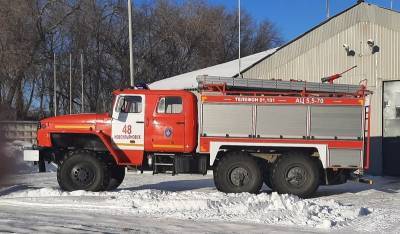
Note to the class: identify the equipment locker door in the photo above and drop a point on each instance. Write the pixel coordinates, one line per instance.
(128, 122)
(168, 125)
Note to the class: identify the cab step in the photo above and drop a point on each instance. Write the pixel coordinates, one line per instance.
(179, 163)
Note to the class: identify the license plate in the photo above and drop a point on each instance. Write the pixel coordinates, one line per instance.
(31, 155)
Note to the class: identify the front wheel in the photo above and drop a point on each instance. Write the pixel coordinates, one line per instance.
(83, 171)
(295, 173)
(238, 172)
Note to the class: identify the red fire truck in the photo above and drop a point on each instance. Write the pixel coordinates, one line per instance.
(291, 135)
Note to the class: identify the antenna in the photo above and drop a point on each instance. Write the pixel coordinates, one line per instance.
(82, 86)
(240, 62)
(70, 83)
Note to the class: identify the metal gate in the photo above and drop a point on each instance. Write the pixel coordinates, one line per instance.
(391, 128)
(19, 130)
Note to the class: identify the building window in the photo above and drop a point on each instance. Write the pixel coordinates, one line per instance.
(170, 105)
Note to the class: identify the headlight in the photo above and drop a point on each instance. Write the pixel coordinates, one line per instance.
(42, 125)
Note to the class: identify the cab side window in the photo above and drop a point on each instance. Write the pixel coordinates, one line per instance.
(170, 105)
(130, 104)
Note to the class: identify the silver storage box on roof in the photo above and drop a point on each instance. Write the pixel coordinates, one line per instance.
(326, 88)
(298, 85)
(255, 83)
(283, 85)
(269, 84)
(228, 81)
(341, 88)
(240, 83)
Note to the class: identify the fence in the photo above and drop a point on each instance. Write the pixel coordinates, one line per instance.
(19, 130)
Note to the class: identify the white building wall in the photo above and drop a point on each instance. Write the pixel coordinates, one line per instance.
(320, 53)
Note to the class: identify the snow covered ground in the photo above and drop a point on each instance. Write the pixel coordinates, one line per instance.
(190, 203)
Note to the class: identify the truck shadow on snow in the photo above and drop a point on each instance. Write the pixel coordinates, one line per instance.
(176, 186)
(16, 188)
(183, 185)
(382, 184)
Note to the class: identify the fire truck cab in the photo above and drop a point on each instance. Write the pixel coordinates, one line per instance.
(292, 136)
(154, 121)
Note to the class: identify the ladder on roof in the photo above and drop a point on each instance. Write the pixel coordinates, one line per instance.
(276, 85)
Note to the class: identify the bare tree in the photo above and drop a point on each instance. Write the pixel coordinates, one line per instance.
(170, 37)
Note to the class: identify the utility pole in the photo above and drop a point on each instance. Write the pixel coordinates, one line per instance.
(55, 85)
(132, 81)
(70, 83)
(327, 9)
(240, 61)
(391, 4)
(82, 86)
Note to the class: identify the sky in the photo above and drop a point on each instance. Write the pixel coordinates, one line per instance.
(294, 17)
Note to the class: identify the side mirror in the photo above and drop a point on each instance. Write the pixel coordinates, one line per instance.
(115, 114)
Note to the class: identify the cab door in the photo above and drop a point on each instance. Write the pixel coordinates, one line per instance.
(167, 126)
(127, 129)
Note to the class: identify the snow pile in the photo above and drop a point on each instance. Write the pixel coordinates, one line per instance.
(14, 153)
(216, 206)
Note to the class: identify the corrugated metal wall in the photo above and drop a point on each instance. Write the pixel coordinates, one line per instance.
(321, 53)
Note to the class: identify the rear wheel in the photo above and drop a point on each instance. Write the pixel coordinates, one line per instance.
(117, 175)
(238, 172)
(295, 173)
(83, 171)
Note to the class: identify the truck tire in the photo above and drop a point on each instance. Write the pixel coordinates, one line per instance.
(295, 173)
(238, 172)
(117, 175)
(83, 170)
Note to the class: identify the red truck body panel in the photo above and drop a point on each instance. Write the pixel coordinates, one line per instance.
(178, 132)
(182, 125)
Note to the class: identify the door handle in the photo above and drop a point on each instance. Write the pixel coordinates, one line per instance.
(139, 121)
(180, 122)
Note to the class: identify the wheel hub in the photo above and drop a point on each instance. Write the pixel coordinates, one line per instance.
(239, 176)
(82, 175)
(296, 176)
